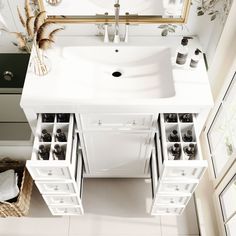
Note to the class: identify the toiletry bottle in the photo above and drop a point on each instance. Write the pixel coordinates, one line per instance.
(48, 117)
(195, 59)
(43, 153)
(63, 117)
(60, 136)
(45, 136)
(171, 118)
(190, 151)
(58, 152)
(174, 152)
(188, 137)
(185, 118)
(173, 136)
(182, 52)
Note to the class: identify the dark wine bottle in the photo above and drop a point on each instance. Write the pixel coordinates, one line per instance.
(63, 117)
(58, 152)
(188, 136)
(174, 152)
(186, 118)
(174, 137)
(45, 136)
(171, 117)
(48, 117)
(60, 136)
(43, 153)
(190, 151)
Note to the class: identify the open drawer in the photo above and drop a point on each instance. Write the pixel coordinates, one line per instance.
(48, 166)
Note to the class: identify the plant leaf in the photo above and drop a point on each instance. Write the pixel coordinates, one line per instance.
(30, 26)
(28, 10)
(162, 26)
(45, 43)
(164, 32)
(200, 13)
(213, 17)
(39, 20)
(199, 8)
(52, 34)
(171, 30)
(20, 17)
(42, 31)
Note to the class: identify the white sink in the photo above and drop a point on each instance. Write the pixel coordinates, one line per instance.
(127, 72)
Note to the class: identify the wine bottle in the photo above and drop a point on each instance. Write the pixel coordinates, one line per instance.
(58, 152)
(48, 117)
(188, 137)
(171, 117)
(173, 136)
(186, 118)
(60, 136)
(43, 153)
(45, 136)
(63, 117)
(174, 152)
(190, 151)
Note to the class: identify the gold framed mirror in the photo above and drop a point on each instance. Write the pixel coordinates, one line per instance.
(102, 11)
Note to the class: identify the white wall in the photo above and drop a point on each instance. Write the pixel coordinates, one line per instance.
(208, 32)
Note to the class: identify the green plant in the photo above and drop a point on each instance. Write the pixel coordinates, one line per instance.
(167, 28)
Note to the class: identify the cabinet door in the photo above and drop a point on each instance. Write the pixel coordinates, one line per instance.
(117, 154)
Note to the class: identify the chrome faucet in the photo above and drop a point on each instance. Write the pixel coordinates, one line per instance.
(117, 13)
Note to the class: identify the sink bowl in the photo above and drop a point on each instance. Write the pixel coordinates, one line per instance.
(127, 72)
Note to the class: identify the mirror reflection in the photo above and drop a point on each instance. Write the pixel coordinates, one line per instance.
(161, 8)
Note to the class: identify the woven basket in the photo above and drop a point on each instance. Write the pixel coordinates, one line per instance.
(18, 206)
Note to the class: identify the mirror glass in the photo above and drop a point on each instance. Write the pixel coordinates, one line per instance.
(159, 8)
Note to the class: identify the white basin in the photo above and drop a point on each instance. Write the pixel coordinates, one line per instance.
(122, 72)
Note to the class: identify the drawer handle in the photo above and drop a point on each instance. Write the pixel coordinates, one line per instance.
(49, 173)
(167, 211)
(183, 173)
(99, 122)
(56, 188)
(172, 201)
(177, 188)
(65, 211)
(61, 201)
(134, 122)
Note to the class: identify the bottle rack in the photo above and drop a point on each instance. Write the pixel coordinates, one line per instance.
(181, 127)
(51, 127)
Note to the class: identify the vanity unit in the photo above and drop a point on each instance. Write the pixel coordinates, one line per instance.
(117, 126)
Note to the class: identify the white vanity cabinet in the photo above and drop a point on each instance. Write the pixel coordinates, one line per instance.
(117, 145)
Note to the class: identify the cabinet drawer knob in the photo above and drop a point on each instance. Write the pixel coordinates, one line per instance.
(61, 201)
(49, 172)
(183, 173)
(99, 122)
(56, 188)
(134, 122)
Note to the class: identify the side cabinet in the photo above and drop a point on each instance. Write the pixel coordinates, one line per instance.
(174, 180)
(59, 181)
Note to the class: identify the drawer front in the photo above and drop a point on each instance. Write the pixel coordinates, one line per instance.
(171, 200)
(176, 188)
(166, 210)
(103, 121)
(66, 210)
(48, 172)
(61, 200)
(55, 187)
(181, 171)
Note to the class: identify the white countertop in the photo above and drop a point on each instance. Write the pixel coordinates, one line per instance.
(59, 92)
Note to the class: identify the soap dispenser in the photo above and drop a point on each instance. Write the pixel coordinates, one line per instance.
(182, 52)
(195, 58)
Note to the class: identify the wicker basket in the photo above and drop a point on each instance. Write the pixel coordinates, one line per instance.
(18, 206)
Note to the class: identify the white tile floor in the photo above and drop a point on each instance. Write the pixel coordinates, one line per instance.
(114, 207)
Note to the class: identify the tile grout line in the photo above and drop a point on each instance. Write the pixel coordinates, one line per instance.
(69, 227)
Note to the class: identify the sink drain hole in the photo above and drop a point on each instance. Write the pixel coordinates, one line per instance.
(116, 74)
